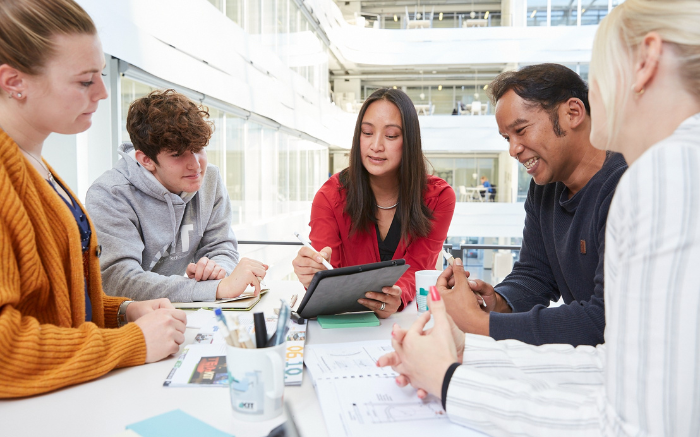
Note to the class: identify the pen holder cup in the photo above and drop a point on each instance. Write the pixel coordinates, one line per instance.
(256, 381)
(424, 280)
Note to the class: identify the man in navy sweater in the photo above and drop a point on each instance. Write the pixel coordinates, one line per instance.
(543, 113)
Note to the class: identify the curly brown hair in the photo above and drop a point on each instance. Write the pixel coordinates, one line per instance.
(168, 121)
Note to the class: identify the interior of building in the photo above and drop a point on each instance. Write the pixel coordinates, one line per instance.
(284, 81)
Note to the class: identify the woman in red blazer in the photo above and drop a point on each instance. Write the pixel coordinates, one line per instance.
(384, 206)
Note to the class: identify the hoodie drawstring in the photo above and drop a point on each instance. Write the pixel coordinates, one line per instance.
(171, 209)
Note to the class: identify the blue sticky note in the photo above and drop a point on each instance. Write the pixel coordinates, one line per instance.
(175, 423)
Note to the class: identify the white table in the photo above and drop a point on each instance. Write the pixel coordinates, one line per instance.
(475, 194)
(418, 24)
(425, 109)
(105, 406)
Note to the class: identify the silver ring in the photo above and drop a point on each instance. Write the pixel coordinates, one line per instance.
(381, 308)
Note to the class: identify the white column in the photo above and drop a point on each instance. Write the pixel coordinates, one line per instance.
(578, 14)
(549, 13)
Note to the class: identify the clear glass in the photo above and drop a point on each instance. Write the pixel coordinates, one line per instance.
(564, 12)
(215, 150)
(253, 16)
(462, 173)
(536, 12)
(235, 11)
(523, 183)
(131, 90)
(217, 3)
(593, 12)
(235, 172)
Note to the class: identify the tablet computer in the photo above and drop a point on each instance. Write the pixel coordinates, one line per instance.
(337, 291)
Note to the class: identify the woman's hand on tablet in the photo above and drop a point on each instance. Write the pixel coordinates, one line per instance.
(389, 298)
(308, 262)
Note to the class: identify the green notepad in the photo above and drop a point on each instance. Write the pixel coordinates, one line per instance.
(355, 320)
(175, 423)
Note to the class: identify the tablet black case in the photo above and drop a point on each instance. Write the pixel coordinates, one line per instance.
(337, 291)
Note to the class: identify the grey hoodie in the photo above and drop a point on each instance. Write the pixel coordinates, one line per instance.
(149, 235)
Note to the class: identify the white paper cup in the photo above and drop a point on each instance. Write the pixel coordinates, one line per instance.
(424, 280)
(256, 381)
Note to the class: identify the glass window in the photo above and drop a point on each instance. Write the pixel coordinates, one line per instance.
(234, 11)
(215, 149)
(254, 167)
(282, 197)
(593, 11)
(235, 165)
(523, 183)
(217, 3)
(536, 12)
(131, 90)
(564, 12)
(252, 12)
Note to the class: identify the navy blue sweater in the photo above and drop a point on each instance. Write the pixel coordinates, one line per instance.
(562, 256)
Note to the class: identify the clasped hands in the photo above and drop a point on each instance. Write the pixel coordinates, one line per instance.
(308, 262)
(247, 272)
(422, 357)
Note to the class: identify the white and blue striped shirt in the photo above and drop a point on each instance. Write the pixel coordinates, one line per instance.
(645, 379)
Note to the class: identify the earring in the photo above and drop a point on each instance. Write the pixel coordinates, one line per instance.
(638, 93)
(19, 95)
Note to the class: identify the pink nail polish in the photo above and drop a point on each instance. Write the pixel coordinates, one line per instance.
(434, 295)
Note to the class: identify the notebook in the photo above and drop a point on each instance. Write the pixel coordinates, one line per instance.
(244, 302)
(359, 399)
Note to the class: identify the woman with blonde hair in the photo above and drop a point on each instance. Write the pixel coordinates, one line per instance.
(57, 327)
(645, 379)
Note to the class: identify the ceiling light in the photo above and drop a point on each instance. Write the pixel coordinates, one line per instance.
(418, 16)
(486, 15)
(472, 14)
(434, 71)
(486, 87)
(439, 87)
(440, 16)
(422, 96)
(394, 86)
(583, 10)
(396, 18)
(533, 13)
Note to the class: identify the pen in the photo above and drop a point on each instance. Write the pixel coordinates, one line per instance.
(244, 339)
(234, 330)
(224, 332)
(450, 260)
(307, 244)
(293, 300)
(260, 329)
(281, 324)
(448, 257)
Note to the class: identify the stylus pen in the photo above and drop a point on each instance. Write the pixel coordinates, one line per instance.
(450, 260)
(307, 244)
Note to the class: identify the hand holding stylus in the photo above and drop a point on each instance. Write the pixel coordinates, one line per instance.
(450, 261)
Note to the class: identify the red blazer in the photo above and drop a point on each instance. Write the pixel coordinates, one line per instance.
(330, 226)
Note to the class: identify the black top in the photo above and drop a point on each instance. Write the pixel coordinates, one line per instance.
(562, 255)
(387, 248)
(85, 234)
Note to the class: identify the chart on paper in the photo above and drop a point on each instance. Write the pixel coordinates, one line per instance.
(338, 359)
(371, 406)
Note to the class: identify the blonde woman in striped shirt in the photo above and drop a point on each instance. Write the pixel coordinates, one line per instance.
(645, 379)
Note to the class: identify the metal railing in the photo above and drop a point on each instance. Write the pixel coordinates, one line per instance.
(457, 252)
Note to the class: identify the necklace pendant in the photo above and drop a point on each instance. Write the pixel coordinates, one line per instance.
(51, 180)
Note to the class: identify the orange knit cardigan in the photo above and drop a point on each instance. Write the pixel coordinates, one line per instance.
(45, 343)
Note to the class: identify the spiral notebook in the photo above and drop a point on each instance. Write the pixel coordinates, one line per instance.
(359, 399)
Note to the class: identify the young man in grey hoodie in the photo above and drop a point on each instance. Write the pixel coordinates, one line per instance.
(162, 211)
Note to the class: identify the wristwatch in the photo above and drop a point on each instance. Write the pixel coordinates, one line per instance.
(121, 314)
